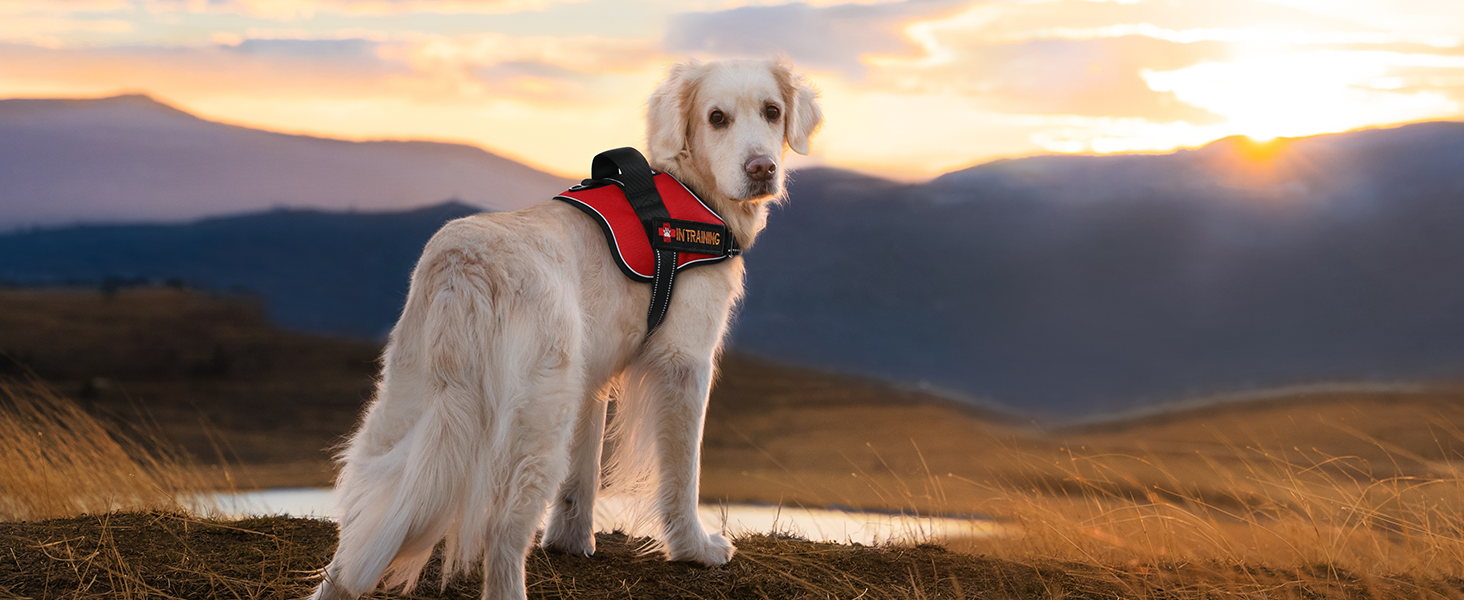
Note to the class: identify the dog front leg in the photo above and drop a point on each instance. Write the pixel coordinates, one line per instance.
(571, 527)
(682, 415)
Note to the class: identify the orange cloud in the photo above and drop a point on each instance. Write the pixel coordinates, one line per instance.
(525, 107)
(14, 7)
(44, 30)
(289, 10)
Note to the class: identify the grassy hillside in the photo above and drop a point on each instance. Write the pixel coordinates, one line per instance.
(209, 371)
(228, 387)
(1309, 495)
(221, 381)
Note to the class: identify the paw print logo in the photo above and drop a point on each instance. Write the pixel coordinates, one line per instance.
(667, 233)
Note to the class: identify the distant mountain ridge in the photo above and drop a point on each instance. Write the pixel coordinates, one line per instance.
(1087, 284)
(325, 272)
(1058, 284)
(134, 159)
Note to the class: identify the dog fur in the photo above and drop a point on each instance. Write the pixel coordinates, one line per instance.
(518, 326)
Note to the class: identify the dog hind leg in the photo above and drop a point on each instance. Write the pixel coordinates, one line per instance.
(536, 461)
(571, 527)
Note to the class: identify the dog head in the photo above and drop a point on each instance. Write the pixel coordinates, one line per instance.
(729, 123)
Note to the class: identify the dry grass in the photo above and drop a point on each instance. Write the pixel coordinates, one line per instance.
(58, 461)
(1328, 512)
(211, 370)
(1357, 491)
(1240, 521)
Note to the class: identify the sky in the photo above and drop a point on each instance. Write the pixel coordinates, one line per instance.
(909, 89)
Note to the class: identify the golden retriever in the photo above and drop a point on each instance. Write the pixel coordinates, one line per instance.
(494, 384)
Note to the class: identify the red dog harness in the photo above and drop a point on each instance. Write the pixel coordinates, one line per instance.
(655, 226)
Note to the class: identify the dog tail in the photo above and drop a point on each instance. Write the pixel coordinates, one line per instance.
(397, 505)
(438, 478)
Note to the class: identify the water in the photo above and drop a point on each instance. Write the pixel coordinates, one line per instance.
(612, 514)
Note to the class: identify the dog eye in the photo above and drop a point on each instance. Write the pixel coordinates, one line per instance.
(772, 112)
(717, 119)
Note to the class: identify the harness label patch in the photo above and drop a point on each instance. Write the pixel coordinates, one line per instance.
(689, 236)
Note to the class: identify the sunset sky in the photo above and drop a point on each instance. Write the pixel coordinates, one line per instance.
(910, 89)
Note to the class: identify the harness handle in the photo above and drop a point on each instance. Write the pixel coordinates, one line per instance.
(626, 168)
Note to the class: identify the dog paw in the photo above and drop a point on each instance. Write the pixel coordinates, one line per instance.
(559, 540)
(713, 550)
(568, 537)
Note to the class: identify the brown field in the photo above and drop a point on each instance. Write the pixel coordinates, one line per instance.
(1335, 494)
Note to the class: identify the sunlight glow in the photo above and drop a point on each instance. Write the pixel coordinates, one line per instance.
(1251, 35)
(1308, 93)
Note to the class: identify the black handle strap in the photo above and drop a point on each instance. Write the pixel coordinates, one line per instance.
(626, 168)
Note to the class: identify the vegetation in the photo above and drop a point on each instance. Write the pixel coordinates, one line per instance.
(58, 461)
(1309, 495)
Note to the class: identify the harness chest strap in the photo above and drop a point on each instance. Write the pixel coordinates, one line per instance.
(654, 225)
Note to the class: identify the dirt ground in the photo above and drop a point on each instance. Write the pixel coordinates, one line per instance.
(163, 555)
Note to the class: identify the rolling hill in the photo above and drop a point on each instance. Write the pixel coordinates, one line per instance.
(134, 159)
(336, 273)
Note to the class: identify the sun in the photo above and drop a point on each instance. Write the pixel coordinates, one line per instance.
(1303, 93)
(1260, 148)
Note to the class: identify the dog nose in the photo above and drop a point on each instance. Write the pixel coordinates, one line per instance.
(760, 168)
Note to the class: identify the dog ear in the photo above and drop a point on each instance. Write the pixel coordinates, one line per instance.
(666, 121)
(804, 115)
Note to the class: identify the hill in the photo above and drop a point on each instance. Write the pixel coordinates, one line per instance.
(134, 159)
(1055, 285)
(334, 273)
(1085, 285)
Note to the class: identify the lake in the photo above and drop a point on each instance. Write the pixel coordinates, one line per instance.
(612, 513)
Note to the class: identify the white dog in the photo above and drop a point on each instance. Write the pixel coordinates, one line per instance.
(495, 380)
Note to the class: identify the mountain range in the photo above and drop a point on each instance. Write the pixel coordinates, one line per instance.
(134, 159)
(1073, 285)
(1085, 284)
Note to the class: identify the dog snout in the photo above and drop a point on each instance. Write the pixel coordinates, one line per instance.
(760, 168)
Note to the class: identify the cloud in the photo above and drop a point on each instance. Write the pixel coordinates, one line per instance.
(31, 7)
(289, 10)
(1314, 92)
(910, 88)
(548, 101)
(51, 24)
(352, 50)
(1426, 17)
(556, 71)
(1080, 77)
(831, 38)
(1070, 57)
(262, 67)
(47, 30)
